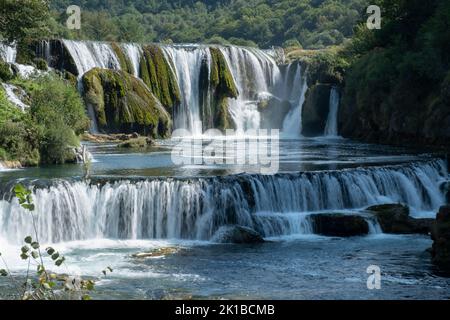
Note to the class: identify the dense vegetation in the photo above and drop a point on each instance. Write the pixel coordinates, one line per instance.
(398, 87)
(309, 23)
(47, 132)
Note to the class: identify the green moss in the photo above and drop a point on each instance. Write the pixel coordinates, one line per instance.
(221, 77)
(5, 71)
(123, 103)
(222, 117)
(157, 74)
(41, 64)
(125, 62)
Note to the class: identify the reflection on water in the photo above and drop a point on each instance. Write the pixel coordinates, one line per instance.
(295, 156)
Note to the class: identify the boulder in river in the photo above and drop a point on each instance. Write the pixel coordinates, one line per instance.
(237, 235)
(395, 219)
(339, 225)
(441, 239)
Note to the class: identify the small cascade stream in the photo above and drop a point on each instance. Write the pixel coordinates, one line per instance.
(331, 128)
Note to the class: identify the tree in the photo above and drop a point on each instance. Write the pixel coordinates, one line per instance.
(24, 20)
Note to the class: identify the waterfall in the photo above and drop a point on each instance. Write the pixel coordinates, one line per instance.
(88, 55)
(8, 53)
(196, 208)
(133, 52)
(254, 73)
(187, 63)
(13, 97)
(331, 128)
(292, 126)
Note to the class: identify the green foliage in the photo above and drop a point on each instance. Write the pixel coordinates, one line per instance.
(57, 101)
(41, 64)
(292, 43)
(5, 71)
(20, 140)
(398, 78)
(47, 132)
(264, 23)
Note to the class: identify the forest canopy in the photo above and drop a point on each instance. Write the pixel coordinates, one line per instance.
(311, 24)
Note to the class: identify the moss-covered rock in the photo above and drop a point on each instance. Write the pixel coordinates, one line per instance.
(217, 87)
(123, 103)
(316, 109)
(221, 77)
(125, 62)
(40, 64)
(157, 74)
(6, 73)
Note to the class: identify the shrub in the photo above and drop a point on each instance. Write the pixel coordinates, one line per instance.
(5, 71)
(20, 141)
(55, 100)
(292, 43)
(41, 64)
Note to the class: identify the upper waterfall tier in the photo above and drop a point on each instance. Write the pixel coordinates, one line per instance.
(196, 208)
(216, 87)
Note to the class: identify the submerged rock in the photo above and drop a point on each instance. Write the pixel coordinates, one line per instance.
(160, 252)
(395, 219)
(339, 225)
(441, 239)
(237, 235)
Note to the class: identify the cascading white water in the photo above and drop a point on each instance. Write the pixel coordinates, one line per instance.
(196, 208)
(134, 52)
(187, 63)
(8, 53)
(292, 126)
(88, 55)
(331, 128)
(13, 97)
(254, 73)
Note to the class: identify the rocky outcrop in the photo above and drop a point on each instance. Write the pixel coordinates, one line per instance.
(217, 87)
(339, 225)
(316, 109)
(273, 112)
(441, 239)
(59, 57)
(237, 235)
(157, 74)
(123, 103)
(395, 219)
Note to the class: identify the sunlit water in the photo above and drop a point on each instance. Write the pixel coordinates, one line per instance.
(294, 266)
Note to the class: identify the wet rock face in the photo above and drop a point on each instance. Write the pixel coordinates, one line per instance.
(441, 239)
(395, 219)
(273, 112)
(237, 235)
(316, 109)
(339, 225)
